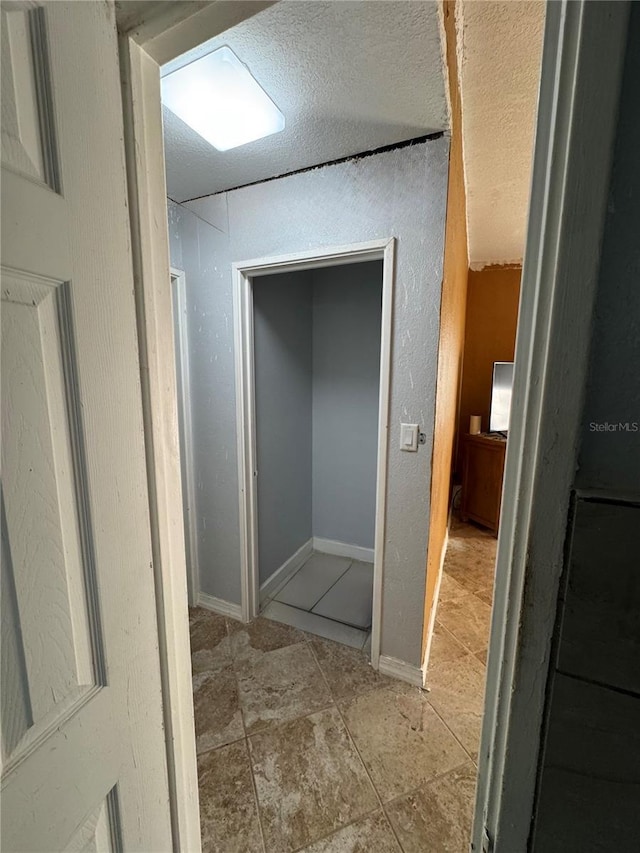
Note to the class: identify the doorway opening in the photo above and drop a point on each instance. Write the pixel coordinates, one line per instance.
(313, 338)
(534, 327)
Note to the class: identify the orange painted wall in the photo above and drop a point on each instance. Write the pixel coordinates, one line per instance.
(452, 323)
(493, 295)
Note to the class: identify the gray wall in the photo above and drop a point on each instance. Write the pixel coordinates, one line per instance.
(283, 394)
(317, 378)
(399, 193)
(589, 777)
(347, 311)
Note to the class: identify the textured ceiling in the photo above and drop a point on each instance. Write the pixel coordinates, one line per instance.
(129, 13)
(499, 53)
(348, 76)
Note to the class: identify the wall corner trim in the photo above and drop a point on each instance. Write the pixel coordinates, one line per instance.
(401, 670)
(220, 606)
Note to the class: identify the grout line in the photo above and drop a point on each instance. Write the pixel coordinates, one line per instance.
(315, 604)
(366, 770)
(357, 751)
(246, 739)
(365, 631)
(451, 732)
(454, 637)
(426, 690)
(336, 830)
(462, 645)
(268, 726)
(429, 783)
(220, 745)
(255, 794)
(330, 588)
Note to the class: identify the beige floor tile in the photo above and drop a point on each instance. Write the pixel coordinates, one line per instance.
(209, 641)
(261, 635)
(468, 619)
(469, 571)
(470, 557)
(348, 672)
(228, 814)
(444, 647)
(486, 595)
(279, 685)
(401, 739)
(450, 589)
(437, 818)
(309, 780)
(456, 691)
(371, 834)
(216, 709)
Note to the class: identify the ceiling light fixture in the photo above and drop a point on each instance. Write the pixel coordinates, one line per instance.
(218, 97)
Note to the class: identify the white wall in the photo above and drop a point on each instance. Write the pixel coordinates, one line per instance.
(347, 313)
(283, 394)
(399, 193)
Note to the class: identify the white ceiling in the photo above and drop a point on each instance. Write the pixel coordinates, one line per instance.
(348, 76)
(499, 53)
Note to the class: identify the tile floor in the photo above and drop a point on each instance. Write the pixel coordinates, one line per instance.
(328, 596)
(303, 747)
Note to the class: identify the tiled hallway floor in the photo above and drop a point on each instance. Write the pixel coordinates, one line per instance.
(302, 746)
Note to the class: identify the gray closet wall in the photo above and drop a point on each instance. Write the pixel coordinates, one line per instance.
(347, 312)
(317, 369)
(283, 388)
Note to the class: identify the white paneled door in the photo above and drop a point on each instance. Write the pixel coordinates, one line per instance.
(83, 752)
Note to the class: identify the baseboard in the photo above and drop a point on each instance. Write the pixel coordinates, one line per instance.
(278, 579)
(401, 670)
(342, 549)
(220, 606)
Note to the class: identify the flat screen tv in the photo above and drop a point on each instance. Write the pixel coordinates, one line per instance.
(501, 396)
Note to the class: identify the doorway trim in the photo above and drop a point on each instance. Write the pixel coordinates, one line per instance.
(185, 437)
(243, 273)
(583, 53)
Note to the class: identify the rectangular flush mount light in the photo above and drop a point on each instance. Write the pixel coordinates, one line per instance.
(219, 98)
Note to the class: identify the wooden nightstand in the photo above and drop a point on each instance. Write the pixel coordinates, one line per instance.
(482, 473)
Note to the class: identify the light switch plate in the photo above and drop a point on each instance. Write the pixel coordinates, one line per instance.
(409, 437)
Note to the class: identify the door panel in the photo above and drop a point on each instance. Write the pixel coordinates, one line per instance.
(25, 101)
(96, 835)
(83, 751)
(54, 635)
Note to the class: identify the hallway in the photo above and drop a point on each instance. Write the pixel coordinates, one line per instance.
(302, 746)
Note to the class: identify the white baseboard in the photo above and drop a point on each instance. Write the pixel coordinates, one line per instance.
(220, 606)
(278, 579)
(401, 670)
(342, 549)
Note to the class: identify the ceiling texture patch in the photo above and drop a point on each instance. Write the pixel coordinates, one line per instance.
(500, 51)
(347, 76)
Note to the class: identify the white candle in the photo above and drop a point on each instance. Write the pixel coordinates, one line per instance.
(475, 424)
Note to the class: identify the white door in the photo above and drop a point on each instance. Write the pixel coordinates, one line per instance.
(84, 763)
